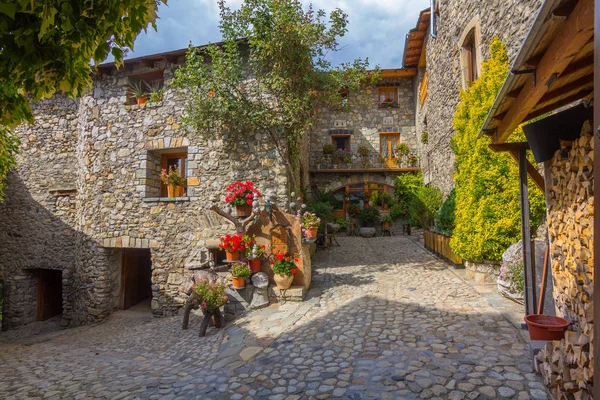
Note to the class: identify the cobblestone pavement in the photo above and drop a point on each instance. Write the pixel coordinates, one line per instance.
(383, 320)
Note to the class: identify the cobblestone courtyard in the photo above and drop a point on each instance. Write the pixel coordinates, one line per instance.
(383, 320)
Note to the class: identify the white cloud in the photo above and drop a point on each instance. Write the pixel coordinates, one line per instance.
(376, 29)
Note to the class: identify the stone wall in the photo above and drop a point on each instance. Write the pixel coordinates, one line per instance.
(38, 213)
(567, 365)
(364, 119)
(509, 20)
(86, 186)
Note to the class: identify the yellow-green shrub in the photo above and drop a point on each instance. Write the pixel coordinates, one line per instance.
(487, 183)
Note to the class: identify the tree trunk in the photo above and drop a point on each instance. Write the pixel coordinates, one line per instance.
(204, 324)
(187, 309)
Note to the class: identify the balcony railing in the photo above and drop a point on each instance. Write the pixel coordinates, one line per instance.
(320, 161)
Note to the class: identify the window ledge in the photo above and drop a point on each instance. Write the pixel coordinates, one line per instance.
(384, 107)
(165, 199)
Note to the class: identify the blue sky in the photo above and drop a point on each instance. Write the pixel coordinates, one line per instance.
(376, 29)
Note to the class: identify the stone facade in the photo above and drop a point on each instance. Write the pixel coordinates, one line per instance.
(86, 188)
(364, 120)
(567, 365)
(510, 21)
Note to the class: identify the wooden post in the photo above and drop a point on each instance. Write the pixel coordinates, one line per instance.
(596, 355)
(530, 297)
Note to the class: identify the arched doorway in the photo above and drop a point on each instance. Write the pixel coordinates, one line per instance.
(358, 194)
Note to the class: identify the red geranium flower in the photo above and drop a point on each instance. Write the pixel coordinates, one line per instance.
(293, 271)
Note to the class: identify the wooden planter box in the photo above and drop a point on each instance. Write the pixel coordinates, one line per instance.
(440, 245)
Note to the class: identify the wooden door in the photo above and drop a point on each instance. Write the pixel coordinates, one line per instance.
(49, 297)
(136, 277)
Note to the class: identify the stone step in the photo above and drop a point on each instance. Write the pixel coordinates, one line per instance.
(294, 293)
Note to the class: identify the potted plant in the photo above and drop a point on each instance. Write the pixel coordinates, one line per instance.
(284, 269)
(368, 216)
(403, 149)
(389, 103)
(412, 160)
(385, 199)
(254, 253)
(341, 156)
(328, 149)
(242, 195)
(310, 224)
(137, 90)
(174, 181)
(382, 160)
(232, 244)
(156, 92)
(364, 153)
(386, 219)
(211, 297)
(239, 272)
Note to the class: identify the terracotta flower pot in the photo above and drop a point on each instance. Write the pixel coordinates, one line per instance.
(387, 225)
(232, 256)
(243, 211)
(141, 100)
(311, 233)
(255, 265)
(283, 281)
(238, 283)
(546, 327)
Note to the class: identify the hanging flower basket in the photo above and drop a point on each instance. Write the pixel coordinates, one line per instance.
(546, 327)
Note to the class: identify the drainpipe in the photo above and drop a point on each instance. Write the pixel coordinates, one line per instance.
(432, 19)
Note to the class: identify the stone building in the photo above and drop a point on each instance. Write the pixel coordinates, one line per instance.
(449, 60)
(85, 213)
(369, 132)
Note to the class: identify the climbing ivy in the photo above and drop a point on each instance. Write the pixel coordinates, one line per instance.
(487, 185)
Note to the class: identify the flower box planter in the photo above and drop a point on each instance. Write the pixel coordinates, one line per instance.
(440, 245)
(173, 191)
(243, 211)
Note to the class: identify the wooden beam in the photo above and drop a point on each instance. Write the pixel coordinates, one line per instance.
(574, 33)
(398, 73)
(577, 66)
(513, 94)
(578, 85)
(558, 104)
(533, 173)
(513, 149)
(423, 59)
(596, 297)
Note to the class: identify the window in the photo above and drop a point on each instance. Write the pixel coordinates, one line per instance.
(177, 161)
(341, 142)
(470, 55)
(470, 52)
(148, 81)
(344, 94)
(388, 96)
(388, 141)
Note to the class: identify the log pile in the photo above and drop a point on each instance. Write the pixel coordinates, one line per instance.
(567, 364)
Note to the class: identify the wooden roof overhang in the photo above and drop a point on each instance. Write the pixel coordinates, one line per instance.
(554, 68)
(414, 46)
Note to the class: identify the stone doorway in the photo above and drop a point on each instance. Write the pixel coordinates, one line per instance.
(49, 293)
(136, 277)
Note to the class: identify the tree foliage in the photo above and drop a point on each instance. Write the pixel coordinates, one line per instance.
(423, 205)
(268, 75)
(487, 183)
(47, 46)
(444, 217)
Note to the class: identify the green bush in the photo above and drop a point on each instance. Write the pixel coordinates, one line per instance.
(423, 206)
(406, 187)
(487, 184)
(425, 137)
(323, 210)
(397, 211)
(342, 222)
(368, 215)
(329, 198)
(444, 217)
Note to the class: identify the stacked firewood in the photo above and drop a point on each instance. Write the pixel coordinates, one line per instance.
(567, 365)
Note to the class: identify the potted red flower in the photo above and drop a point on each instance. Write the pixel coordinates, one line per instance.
(241, 195)
(239, 272)
(232, 244)
(284, 269)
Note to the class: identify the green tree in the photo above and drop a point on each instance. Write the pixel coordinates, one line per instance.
(423, 205)
(487, 217)
(270, 82)
(47, 46)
